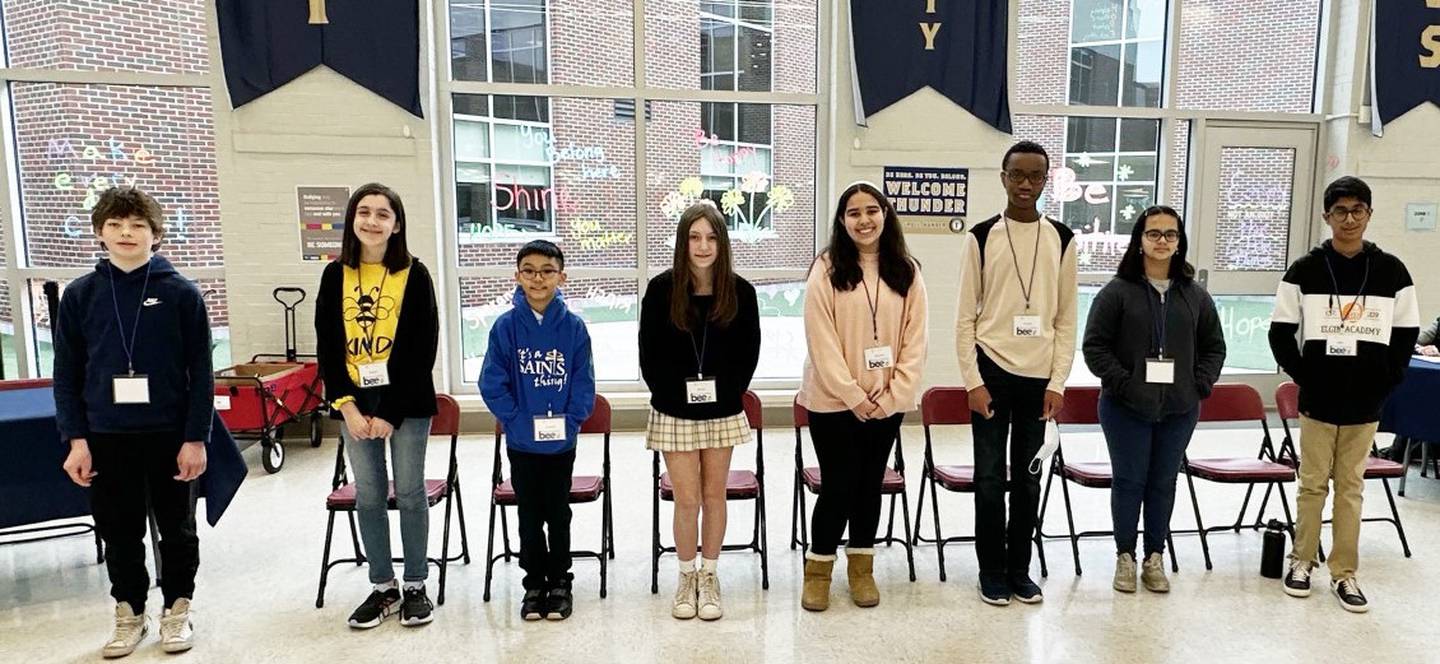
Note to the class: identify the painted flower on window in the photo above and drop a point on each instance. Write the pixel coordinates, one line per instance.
(675, 203)
(691, 188)
(739, 203)
(754, 182)
(731, 201)
(781, 198)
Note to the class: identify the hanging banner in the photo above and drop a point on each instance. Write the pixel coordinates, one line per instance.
(956, 47)
(1404, 58)
(322, 221)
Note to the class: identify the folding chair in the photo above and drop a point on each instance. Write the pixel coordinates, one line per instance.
(1287, 402)
(740, 485)
(945, 406)
(808, 478)
(1082, 406)
(1235, 402)
(342, 499)
(583, 489)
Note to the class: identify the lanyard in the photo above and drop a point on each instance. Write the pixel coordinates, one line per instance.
(1034, 260)
(1359, 295)
(700, 352)
(874, 306)
(129, 347)
(1159, 319)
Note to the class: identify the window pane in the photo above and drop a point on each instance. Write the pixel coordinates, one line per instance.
(472, 140)
(165, 37)
(1136, 168)
(42, 350)
(758, 45)
(1252, 231)
(1092, 135)
(1143, 64)
(74, 141)
(517, 41)
(782, 326)
(1245, 320)
(1278, 37)
(609, 307)
(770, 202)
(717, 120)
(1096, 20)
(1138, 135)
(527, 109)
(1145, 20)
(469, 54)
(9, 361)
(1095, 75)
(217, 305)
(571, 180)
(754, 122)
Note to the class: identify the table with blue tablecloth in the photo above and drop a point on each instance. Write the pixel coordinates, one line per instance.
(1412, 412)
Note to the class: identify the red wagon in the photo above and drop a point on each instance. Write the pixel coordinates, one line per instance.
(257, 399)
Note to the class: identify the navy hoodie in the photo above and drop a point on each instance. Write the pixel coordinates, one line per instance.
(537, 368)
(172, 348)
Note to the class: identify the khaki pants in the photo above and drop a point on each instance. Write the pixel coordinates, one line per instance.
(1327, 452)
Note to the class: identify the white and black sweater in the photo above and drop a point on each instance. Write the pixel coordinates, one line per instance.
(1368, 299)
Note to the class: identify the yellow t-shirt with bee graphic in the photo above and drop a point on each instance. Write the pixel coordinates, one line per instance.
(371, 310)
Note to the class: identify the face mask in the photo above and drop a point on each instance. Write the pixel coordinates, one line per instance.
(1052, 443)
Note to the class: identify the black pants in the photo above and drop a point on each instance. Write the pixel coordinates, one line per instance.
(852, 458)
(1017, 403)
(129, 469)
(542, 494)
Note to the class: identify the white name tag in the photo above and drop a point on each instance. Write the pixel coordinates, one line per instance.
(1340, 346)
(222, 402)
(375, 374)
(1159, 371)
(879, 357)
(700, 390)
(132, 389)
(549, 429)
(1027, 326)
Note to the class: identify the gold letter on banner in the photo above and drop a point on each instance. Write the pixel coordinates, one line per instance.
(317, 12)
(929, 30)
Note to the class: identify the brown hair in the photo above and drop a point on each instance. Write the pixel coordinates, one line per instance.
(722, 273)
(126, 202)
(397, 252)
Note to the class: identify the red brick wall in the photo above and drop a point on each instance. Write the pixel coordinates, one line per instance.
(1252, 55)
(152, 36)
(1253, 223)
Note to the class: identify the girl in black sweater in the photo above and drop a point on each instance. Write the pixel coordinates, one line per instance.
(699, 344)
(377, 329)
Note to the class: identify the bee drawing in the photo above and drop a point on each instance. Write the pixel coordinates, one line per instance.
(367, 308)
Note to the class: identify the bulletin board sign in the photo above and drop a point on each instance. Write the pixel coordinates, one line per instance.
(926, 191)
(321, 212)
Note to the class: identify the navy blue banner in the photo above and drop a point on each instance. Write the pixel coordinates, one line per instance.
(956, 47)
(1404, 58)
(268, 43)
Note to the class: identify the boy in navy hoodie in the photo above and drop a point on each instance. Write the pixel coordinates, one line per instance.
(539, 382)
(134, 401)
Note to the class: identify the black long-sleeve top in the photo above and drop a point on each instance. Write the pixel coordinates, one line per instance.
(667, 354)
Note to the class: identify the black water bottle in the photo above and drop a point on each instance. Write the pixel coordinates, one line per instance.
(1272, 555)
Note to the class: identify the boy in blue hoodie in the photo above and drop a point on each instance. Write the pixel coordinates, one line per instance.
(539, 382)
(134, 402)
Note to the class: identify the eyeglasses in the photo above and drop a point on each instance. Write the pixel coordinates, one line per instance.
(1168, 236)
(1360, 213)
(546, 274)
(1016, 177)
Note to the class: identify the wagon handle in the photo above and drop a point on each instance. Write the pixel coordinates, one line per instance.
(290, 331)
(288, 289)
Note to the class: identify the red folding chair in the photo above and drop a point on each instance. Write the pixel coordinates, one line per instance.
(807, 478)
(1236, 402)
(583, 489)
(342, 499)
(1082, 407)
(740, 485)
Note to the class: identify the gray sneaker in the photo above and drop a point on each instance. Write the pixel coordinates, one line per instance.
(130, 630)
(686, 603)
(1152, 574)
(177, 633)
(1124, 573)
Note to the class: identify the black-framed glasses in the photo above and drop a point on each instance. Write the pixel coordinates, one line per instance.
(1168, 236)
(546, 274)
(1016, 177)
(1359, 213)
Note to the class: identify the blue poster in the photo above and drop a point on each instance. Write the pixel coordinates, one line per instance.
(1404, 58)
(928, 191)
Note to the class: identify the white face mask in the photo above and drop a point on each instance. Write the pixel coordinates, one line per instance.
(1052, 443)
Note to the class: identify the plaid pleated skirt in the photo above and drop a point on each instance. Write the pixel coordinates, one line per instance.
(672, 434)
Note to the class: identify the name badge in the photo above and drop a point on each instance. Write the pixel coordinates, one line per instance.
(700, 390)
(1159, 371)
(1338, 346)
(132, 389)
(549, 429)
(222, 402)
(375, 374)
(879, 357)
(1027, 326)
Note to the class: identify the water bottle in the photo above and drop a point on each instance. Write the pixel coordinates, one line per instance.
(1272, 555)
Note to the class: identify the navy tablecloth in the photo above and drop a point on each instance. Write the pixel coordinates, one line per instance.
(1413, 410)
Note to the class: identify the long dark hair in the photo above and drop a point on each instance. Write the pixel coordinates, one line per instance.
(397, 253)
(896, 266)
(722, 273)
(1132, 265)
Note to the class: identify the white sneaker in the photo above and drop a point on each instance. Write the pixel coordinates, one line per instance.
(709, 594)
(130, 630)
(685, 593)
(177, 633)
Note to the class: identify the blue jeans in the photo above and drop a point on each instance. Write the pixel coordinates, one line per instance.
(367, 460)
(1146, 457)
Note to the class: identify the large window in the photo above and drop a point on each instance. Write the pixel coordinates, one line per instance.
(565, 164)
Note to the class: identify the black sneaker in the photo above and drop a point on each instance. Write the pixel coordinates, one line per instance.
(533, 606)
(1297, 579)
(416, 609)
(1025, 590)
(376, 608)
(1348, 590)
(560, 602)
(994, 590)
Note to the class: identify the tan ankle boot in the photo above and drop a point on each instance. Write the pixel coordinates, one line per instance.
(816, 594)
(860, 568)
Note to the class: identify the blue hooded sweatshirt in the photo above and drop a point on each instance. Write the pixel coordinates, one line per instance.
(535, 368)
(172, 348)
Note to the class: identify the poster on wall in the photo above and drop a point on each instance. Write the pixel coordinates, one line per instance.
(926, 191)
(322, 220)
